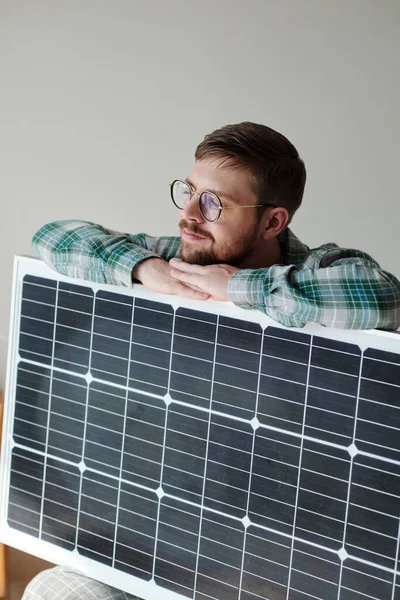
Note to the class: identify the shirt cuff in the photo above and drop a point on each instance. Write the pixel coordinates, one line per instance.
(118, 270)
(247, 288)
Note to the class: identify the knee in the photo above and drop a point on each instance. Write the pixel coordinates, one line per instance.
(53, 583)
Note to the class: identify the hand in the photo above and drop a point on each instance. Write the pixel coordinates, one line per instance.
(212, 279)
(155, 274)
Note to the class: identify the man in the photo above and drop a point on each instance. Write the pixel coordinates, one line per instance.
(235, 207)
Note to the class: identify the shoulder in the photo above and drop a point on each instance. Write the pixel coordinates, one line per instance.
(326, 255)
(331, 254)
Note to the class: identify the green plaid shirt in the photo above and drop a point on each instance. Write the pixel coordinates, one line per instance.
(333, 286)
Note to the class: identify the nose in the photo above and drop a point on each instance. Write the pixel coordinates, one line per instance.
(191, 210)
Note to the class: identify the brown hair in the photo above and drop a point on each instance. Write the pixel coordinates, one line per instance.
(278, 172)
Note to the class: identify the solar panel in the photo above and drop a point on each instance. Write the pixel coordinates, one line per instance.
(182, 449)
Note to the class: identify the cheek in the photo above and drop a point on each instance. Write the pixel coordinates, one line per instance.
(230, 234)
(222, 234)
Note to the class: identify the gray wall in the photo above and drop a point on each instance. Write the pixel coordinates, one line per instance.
(103, 102)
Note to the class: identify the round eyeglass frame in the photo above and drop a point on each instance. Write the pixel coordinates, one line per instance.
(221, 207)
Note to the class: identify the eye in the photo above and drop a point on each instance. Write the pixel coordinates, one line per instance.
(210, 206)
(180, 193)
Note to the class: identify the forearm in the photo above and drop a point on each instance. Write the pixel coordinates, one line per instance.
(350, 296)
(89, 251)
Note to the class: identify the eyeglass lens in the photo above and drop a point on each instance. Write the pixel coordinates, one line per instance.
(209, 203)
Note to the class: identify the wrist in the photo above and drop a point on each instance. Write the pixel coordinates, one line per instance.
(139, 269)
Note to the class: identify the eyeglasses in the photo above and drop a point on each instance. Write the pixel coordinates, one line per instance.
(209, 204)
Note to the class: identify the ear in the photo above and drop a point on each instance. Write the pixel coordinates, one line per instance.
(274, 221)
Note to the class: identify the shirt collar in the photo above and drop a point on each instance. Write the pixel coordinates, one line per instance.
(293, 250)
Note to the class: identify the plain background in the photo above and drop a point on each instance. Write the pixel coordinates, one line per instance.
(102, 104)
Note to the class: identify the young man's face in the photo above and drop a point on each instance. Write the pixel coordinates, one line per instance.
(233, 237)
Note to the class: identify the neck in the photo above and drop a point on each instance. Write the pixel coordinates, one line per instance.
(264, 254)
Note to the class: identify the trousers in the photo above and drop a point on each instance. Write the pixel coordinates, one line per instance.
(63, 583)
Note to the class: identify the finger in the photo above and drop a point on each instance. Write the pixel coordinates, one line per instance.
(189, 278)
(195, 287)
(189, 292)
(191, 286)
(179, 265)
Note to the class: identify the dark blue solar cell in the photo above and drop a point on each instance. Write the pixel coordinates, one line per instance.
(323, 490)
(228, 466)
(330, 426)
(277, 412)
(378, 419)
(37, 319)
(234, 391)
(67, 417)
(25, 496)
(151, 318)
(288, 334)
(74, 324)
(187, 388)
(31, 406)
(159, 307)
(266, 564)
(220, 557)
(143, 440)
(136, 531)
(97, 517)
(40, 281)
(339, 345)
(361, 580)
(105, 423)
(60, 506)
(177, 543)
(282, 389)
(115, 308)
(274, 480)
(373, 512)
(284, 369)
(185, 453)
(239, 334)
(314, 569)
(196, 326)
(341, 383)
(335, 360)
(297, 350)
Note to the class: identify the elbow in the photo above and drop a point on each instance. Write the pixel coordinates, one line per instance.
(377, 305)
(42, 236)
(389, 303)
(39, 238)
(56, 236)
(389, 319)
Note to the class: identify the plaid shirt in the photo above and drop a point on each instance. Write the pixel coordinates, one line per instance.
(333, 286)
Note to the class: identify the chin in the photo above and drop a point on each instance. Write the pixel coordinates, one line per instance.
(198, 257)
(208, 257)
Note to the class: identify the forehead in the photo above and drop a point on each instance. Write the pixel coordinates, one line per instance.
(224, 179)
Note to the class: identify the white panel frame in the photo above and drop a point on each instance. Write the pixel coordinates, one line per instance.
(382, 340)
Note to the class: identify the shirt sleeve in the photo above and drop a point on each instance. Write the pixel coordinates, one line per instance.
(337, 288)
(89, 251)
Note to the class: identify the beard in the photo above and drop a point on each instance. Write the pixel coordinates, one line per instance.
(233, 253)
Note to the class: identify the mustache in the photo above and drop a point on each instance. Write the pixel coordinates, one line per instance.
(195, 229)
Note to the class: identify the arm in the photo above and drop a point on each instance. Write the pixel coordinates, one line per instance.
(89, 251)
(334, 286)
(337, 288)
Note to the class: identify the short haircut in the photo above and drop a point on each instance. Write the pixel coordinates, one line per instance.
(278, 172)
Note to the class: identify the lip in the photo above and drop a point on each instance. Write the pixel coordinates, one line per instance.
(191, 236)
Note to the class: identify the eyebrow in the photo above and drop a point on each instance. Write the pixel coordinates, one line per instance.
(216, 192)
